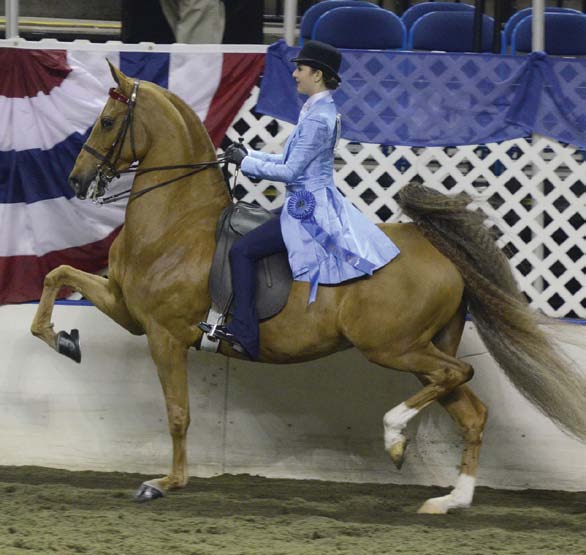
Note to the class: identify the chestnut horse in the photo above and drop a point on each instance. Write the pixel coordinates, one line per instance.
(408, 316)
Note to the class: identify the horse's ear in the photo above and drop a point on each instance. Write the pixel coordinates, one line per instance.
(123, 82)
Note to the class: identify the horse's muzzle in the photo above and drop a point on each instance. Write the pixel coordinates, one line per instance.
(76, 186)
(80, 185)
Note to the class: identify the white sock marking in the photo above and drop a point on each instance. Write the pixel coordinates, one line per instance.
(459, 498)
(394, 421)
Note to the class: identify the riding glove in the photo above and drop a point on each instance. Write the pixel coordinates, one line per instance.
(235, 153)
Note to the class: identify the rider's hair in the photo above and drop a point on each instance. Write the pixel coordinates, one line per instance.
(330, 81)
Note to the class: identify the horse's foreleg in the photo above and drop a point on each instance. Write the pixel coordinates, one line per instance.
(170, 356)
(96, 289)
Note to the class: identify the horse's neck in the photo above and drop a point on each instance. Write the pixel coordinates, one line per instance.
(183, 212)
(199, 198)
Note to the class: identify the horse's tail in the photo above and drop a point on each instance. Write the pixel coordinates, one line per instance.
(508, 327)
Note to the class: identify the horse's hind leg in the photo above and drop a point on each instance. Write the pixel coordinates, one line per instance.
(441, 374)
(96, 289)
(443, 377)
(470, 414)
(170, 356)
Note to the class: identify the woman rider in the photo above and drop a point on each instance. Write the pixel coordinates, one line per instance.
(327, 239)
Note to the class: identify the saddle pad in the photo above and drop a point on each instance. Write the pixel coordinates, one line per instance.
(273, 273)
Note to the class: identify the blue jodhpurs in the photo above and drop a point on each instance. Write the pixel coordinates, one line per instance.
(265, 240)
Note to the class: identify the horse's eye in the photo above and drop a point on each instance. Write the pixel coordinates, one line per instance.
(107, 123)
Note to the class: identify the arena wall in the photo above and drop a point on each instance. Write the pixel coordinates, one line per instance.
(315, 420)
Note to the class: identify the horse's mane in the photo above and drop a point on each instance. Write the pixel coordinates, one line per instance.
(202, 143)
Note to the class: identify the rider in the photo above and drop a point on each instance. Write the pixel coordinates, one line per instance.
(327, 239)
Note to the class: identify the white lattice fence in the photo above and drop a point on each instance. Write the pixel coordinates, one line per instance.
(532, 190)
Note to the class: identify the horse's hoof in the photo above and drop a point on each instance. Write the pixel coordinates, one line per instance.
(397, 452)
(68, 345)
(147, 492)
(431, 508)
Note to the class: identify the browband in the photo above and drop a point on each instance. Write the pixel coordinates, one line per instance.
(118, 96)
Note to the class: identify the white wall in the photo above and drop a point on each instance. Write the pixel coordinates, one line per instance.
(319, 420)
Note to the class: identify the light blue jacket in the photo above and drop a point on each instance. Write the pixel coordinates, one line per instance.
(307, 163)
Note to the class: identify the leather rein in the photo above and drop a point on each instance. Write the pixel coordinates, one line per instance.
(107, 171)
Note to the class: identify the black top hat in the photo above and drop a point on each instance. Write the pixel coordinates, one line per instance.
(320, 55)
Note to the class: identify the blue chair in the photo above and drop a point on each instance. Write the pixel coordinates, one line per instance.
(565, 34)
(412, 14)
(317, 10)
(361, 29)
(507, 32)
(450, 32)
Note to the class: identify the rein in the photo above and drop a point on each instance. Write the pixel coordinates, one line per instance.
(130, 195)
(105, 176)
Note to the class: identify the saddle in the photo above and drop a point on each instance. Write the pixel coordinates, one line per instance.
(273, 273)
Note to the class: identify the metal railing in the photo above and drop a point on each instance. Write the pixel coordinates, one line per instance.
(11, 18)
(287, 13)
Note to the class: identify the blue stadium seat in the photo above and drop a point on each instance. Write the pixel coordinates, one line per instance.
(412, 14)
(565, 34)
(507, 33)
(449, 31)
(362, 29)
(317, 10)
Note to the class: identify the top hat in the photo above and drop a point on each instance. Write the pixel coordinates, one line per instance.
(320, 55)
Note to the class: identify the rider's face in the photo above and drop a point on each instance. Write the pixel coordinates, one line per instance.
(307, 79)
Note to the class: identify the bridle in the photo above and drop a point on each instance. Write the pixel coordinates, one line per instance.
(107, 170)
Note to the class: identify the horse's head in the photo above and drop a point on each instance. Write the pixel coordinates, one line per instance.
(116, 141)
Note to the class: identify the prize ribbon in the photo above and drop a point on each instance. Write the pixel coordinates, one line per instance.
(301, 206)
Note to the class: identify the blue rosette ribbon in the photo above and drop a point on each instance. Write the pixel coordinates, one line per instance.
(301, 206)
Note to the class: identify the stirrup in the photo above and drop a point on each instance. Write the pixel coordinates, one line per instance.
(208, 329)
(218, 332)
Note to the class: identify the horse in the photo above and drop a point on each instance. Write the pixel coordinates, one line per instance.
(408, 316)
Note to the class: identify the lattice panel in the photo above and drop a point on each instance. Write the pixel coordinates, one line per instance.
(531, 190)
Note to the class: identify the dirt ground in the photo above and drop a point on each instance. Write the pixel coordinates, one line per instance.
(44, 511)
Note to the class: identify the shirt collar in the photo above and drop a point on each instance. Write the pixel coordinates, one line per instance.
(312, 100)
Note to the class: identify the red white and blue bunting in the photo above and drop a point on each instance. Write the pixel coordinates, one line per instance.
(49, 101)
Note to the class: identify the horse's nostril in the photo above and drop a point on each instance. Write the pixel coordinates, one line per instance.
(76, 186)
